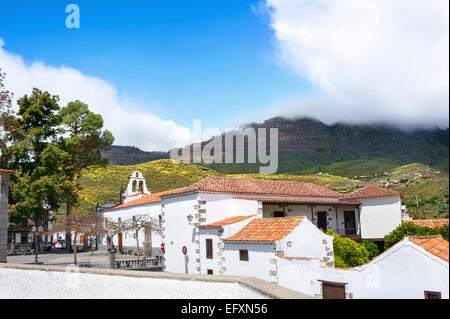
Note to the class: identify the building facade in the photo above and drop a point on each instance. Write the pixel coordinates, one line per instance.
(4, 193)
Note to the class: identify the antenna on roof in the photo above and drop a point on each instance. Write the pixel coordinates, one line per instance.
(417, 205)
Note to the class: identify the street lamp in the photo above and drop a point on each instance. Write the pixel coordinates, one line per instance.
(36, 232)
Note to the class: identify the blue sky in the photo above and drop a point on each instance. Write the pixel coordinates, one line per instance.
(152, 67)
(184, 60)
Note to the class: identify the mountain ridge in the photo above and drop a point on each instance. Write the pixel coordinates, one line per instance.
(307, 145)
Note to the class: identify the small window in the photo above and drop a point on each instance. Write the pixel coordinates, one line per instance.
(209, 271)
(432, 295)
(209, 249)
(243, 254)
(278, 214)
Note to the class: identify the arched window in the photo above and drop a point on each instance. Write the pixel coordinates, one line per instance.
(141, 187)
(133, 189)
(137, 174)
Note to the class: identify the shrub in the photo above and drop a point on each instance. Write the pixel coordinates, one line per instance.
(444, 231)
(407, 229)
(348, 253)
(372, 248)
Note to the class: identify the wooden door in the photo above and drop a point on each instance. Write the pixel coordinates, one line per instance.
(350, 222)
(322, 220)
(120, 242)
(332, 290)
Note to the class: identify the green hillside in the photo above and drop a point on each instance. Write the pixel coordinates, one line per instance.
(103, 184)
(430, 185)
(354, 168)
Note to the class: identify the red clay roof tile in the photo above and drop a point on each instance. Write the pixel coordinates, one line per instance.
(227, 221)
(435, 245)
(371, 191)
(301, 201)
(240, 185)
(432, 223)
(267, 229)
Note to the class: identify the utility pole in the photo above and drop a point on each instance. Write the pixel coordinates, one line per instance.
(417, 205)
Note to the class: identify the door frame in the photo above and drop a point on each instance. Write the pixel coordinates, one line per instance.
(322, 213)
(338, 285)
(347, 213)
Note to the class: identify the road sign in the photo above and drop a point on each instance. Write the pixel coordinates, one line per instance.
(184, 250)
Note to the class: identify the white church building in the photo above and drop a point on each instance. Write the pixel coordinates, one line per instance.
(187, 215)
(260, 228)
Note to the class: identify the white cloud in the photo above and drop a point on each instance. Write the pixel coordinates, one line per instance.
(129, 125)
(372, 60)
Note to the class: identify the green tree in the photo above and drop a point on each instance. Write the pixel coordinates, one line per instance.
(372, 248)
(82, 141)
(348, 253)
(30, 133)
(407, 229)
(444, 231)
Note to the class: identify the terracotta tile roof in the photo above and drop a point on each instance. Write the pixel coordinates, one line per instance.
(240, 185)
(371, 191)
(227, 221)
(301, 201)
(2, 170)
(432, 223)
(267, 229)
(435, 245)
(147, 199)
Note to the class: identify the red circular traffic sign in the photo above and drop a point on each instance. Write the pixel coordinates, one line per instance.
(162, 247)
(184, 250)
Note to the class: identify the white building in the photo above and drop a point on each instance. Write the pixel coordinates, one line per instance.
(270, 230)
(137, 188)
(369, 213)
(415, 268)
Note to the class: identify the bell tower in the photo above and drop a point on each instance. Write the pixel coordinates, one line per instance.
(136, 188)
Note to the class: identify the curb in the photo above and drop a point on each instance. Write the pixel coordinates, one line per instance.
(266, 288)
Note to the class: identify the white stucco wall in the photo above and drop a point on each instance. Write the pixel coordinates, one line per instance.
(152, 210)
(221, 206)
(335, 214)
(404, 271)
(179, 232)
(308, 241)
(219, 257)
(379, 216)
(260, 263)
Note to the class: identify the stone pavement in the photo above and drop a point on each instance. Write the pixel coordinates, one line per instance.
(56, 257)
(266, 288)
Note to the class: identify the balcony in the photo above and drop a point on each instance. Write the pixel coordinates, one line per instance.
(351, 233)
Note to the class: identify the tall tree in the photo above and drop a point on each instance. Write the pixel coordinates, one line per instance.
(6, 116)
(83, 140)
(30, 134)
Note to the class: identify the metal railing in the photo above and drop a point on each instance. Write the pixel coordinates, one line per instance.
(348, 231)
(149, 264)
